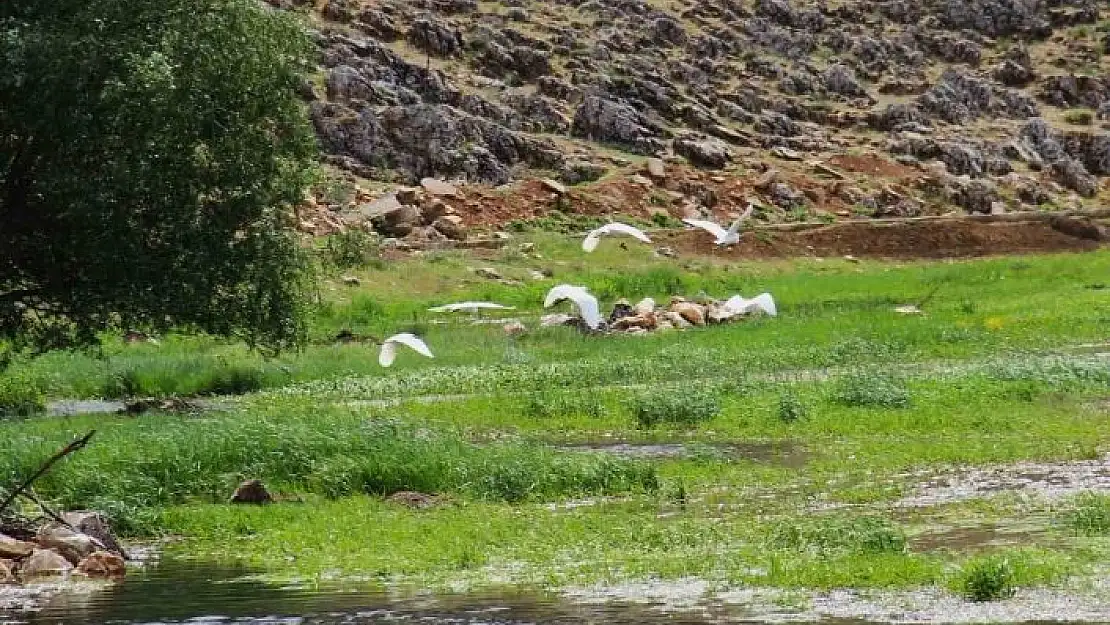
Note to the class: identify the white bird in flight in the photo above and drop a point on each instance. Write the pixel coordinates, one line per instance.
(724, 237)
(762, 303)
(594, 237)
(586, 303)
(470, 306)
(389, 347)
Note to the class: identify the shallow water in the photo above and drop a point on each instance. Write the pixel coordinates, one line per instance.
(786, 454)
(198, 594)
(178, 592)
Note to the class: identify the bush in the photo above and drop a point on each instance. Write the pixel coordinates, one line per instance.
(547, 405)
(1081, 117)
(683, 406)
(232, 380)
(986, 579)
(1091, 516)
(791, 408)
(863, 390)
(353, 248)
(20, 397)
(123, 384)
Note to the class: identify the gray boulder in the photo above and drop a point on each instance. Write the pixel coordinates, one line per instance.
(607, 121)
(706, 152)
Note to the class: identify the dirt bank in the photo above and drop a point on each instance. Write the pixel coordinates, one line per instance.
(909, 239)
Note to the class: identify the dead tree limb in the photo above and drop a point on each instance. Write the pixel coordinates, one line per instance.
(62, 453)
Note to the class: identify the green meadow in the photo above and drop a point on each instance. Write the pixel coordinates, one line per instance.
(790, 452)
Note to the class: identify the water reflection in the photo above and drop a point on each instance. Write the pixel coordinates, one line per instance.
(176, 592)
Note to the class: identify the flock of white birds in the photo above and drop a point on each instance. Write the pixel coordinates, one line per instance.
(580, 296)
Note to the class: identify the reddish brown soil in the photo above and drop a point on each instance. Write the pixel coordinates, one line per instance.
(872, 165)
(934, 239)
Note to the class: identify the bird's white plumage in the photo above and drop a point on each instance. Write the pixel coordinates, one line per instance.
(724, 237)
(471, 306)
(586, 303)
(389, 347)
(589, 244)
(708, 226)
(762, 303)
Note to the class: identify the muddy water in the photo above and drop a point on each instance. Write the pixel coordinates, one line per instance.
(978, 538)
(1047, 480)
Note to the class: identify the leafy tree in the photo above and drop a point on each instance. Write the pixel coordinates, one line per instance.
(150, 153)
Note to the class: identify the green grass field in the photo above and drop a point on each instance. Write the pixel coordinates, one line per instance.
(787, 448)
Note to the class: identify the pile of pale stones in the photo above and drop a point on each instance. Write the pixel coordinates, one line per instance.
(82, 546)
(647, 316)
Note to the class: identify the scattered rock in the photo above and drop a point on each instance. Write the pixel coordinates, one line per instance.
(44, 563)
(102, 565)
(251, 492)
(515, 328)
(655, 168)
(708, 152)
(553, 186)
(96, 525)
(451, 226)
(12, 549)
(694, 314)
(557, 319)
(439, 188)
(73, 546)
(351, 281)
(786, 154)
(7, 573)
(489, 273)
(414, 500)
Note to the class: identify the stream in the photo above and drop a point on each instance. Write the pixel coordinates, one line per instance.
(175, 592)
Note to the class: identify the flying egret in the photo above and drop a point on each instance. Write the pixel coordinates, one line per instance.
(594, 237)
(389, 347)
(724, 237)
(586, 303)
(762, 303)
(469, 306)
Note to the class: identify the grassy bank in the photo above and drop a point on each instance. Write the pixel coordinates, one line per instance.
(789, 452)
(837, 313)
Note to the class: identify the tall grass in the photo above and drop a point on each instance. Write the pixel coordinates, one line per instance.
(135, 466)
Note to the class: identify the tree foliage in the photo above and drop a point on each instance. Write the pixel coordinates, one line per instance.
(150, 151)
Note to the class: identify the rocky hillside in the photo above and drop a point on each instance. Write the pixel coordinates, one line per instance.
(837, 107)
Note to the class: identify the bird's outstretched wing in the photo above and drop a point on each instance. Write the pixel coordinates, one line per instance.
(734, 229)
(762, 303)
(469, 306)
(594, 237)
(389, 347)
(708, 226)
(560, 293)
(586, 303)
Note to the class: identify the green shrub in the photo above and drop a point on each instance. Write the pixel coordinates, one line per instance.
(876, 389)
(1080, 117)
(684, 406)
(1091, 516)
(123, 384)
(353, 248)
(829, 536)
(232, 380)
(20, 397)
(791, 408)
(986, 579)
(547, 405)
